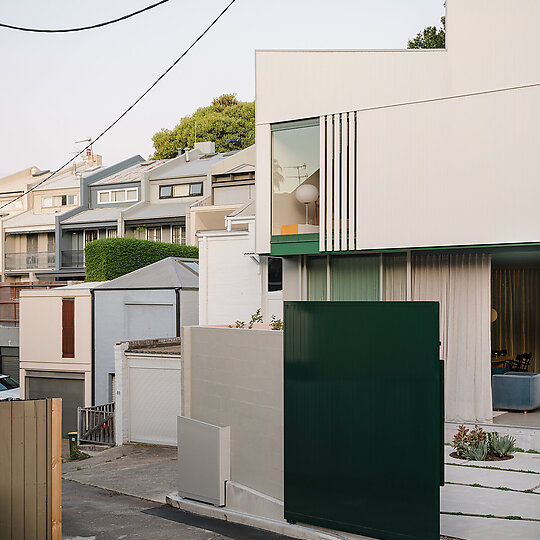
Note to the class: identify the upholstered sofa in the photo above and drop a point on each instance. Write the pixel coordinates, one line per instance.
(516, 391)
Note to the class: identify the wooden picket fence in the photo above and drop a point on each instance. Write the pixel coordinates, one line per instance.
(31, 469)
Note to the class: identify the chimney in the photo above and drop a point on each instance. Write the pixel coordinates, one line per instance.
(186, 150)
(207, 147)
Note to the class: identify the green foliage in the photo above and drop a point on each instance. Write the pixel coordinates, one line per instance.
(430, 38)
(255, 318)
(276, 324)
(226, 118)
(501, 446)
(476, 452)
(113, 257)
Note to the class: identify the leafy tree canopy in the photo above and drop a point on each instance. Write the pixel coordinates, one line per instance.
(430, 38)
(226, 118)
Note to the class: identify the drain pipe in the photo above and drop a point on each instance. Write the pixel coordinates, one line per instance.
(177, 293)
(93, 339)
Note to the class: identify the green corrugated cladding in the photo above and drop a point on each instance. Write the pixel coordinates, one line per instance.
(316, 278)
(355, 277)
(363, 417)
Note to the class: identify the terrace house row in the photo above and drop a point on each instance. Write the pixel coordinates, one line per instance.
(148, 200)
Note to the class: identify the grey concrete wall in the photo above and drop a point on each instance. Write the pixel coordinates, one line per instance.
(234, 377)
(127, 316)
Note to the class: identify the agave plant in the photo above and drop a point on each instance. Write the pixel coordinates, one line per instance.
(476, 452)
(501, 446)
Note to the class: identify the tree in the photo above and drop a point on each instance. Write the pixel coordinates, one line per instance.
(430, 38)
(225, 119)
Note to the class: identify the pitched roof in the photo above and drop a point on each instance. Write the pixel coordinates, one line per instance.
(169, 273)
(95, 215)
(161, 210)
(131, 174)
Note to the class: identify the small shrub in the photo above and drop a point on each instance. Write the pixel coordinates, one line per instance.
(110, 258)
(501, 446)
(255, 318)
(276, 324)
(460, 441)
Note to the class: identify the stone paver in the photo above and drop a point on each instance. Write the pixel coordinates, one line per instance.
(477, 528)
(484, 501)
(491, 478)
(521, 461)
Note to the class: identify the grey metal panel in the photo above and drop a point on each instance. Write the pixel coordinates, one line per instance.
(204, 452)
(9, 365)
(70, 390)
(112, 326)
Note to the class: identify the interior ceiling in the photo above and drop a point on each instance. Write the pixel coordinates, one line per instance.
(529, 258)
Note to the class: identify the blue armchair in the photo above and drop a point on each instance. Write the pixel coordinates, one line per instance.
(516, 391)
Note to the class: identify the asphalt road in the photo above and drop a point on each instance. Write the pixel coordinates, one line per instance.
(90, 513)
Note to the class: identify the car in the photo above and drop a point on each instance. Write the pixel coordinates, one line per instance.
(9, 388)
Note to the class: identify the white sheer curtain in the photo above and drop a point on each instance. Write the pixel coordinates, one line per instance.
(461, 283)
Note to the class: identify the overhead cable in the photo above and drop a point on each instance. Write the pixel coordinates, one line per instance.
(110, 126)
(81, 28)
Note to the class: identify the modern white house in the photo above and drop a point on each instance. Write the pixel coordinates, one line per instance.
(424, 164)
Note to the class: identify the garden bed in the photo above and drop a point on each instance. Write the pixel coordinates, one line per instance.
(489, 457)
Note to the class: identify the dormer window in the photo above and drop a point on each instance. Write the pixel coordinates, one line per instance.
(59, 200)
(118, 195)
(181, 190)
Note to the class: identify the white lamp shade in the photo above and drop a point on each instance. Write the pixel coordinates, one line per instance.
(306, 193)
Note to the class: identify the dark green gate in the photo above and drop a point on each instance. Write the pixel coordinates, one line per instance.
(363, 417)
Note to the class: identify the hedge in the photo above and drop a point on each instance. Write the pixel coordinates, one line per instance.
(110, 258)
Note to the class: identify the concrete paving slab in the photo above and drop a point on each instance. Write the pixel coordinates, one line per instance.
(521, 461)
(491, 478)
(148, 472)
(477, 528)
(484, 501)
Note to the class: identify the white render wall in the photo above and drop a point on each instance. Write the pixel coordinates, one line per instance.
(40, 335)
(449, 165)
(229, 281)
(234, 377)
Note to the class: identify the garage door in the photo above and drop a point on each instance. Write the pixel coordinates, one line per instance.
(50, 385)
(154, 402)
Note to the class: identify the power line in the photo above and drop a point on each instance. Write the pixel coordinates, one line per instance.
(93, 141)
(81, 28)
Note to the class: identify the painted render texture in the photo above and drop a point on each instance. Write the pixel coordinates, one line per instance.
(446, 139)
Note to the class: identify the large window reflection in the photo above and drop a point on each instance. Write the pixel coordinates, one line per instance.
(295, 177)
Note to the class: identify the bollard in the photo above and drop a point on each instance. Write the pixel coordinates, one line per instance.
(73, 451)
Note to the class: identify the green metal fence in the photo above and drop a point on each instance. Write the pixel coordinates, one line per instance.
(363, 417)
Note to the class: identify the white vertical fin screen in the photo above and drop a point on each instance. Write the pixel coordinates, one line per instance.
(338, 177)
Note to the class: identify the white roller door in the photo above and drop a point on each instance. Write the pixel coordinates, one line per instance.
(154, 399)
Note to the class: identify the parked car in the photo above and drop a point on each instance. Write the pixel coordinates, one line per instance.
(9, 388)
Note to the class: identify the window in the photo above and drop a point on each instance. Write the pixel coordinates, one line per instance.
(68, 327)
(295, 162)
(118, 195)
(181, 190)
(111, 233)
(90, 236)
(13, 205)
(104, 196)
(154, 234)
(178, 234)
(165, 192)
(275, 274)
(58, 200)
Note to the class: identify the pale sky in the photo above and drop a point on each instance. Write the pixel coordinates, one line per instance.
(60, 88)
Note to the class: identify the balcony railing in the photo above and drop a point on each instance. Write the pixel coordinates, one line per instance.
(30, 261)
(73, 258)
